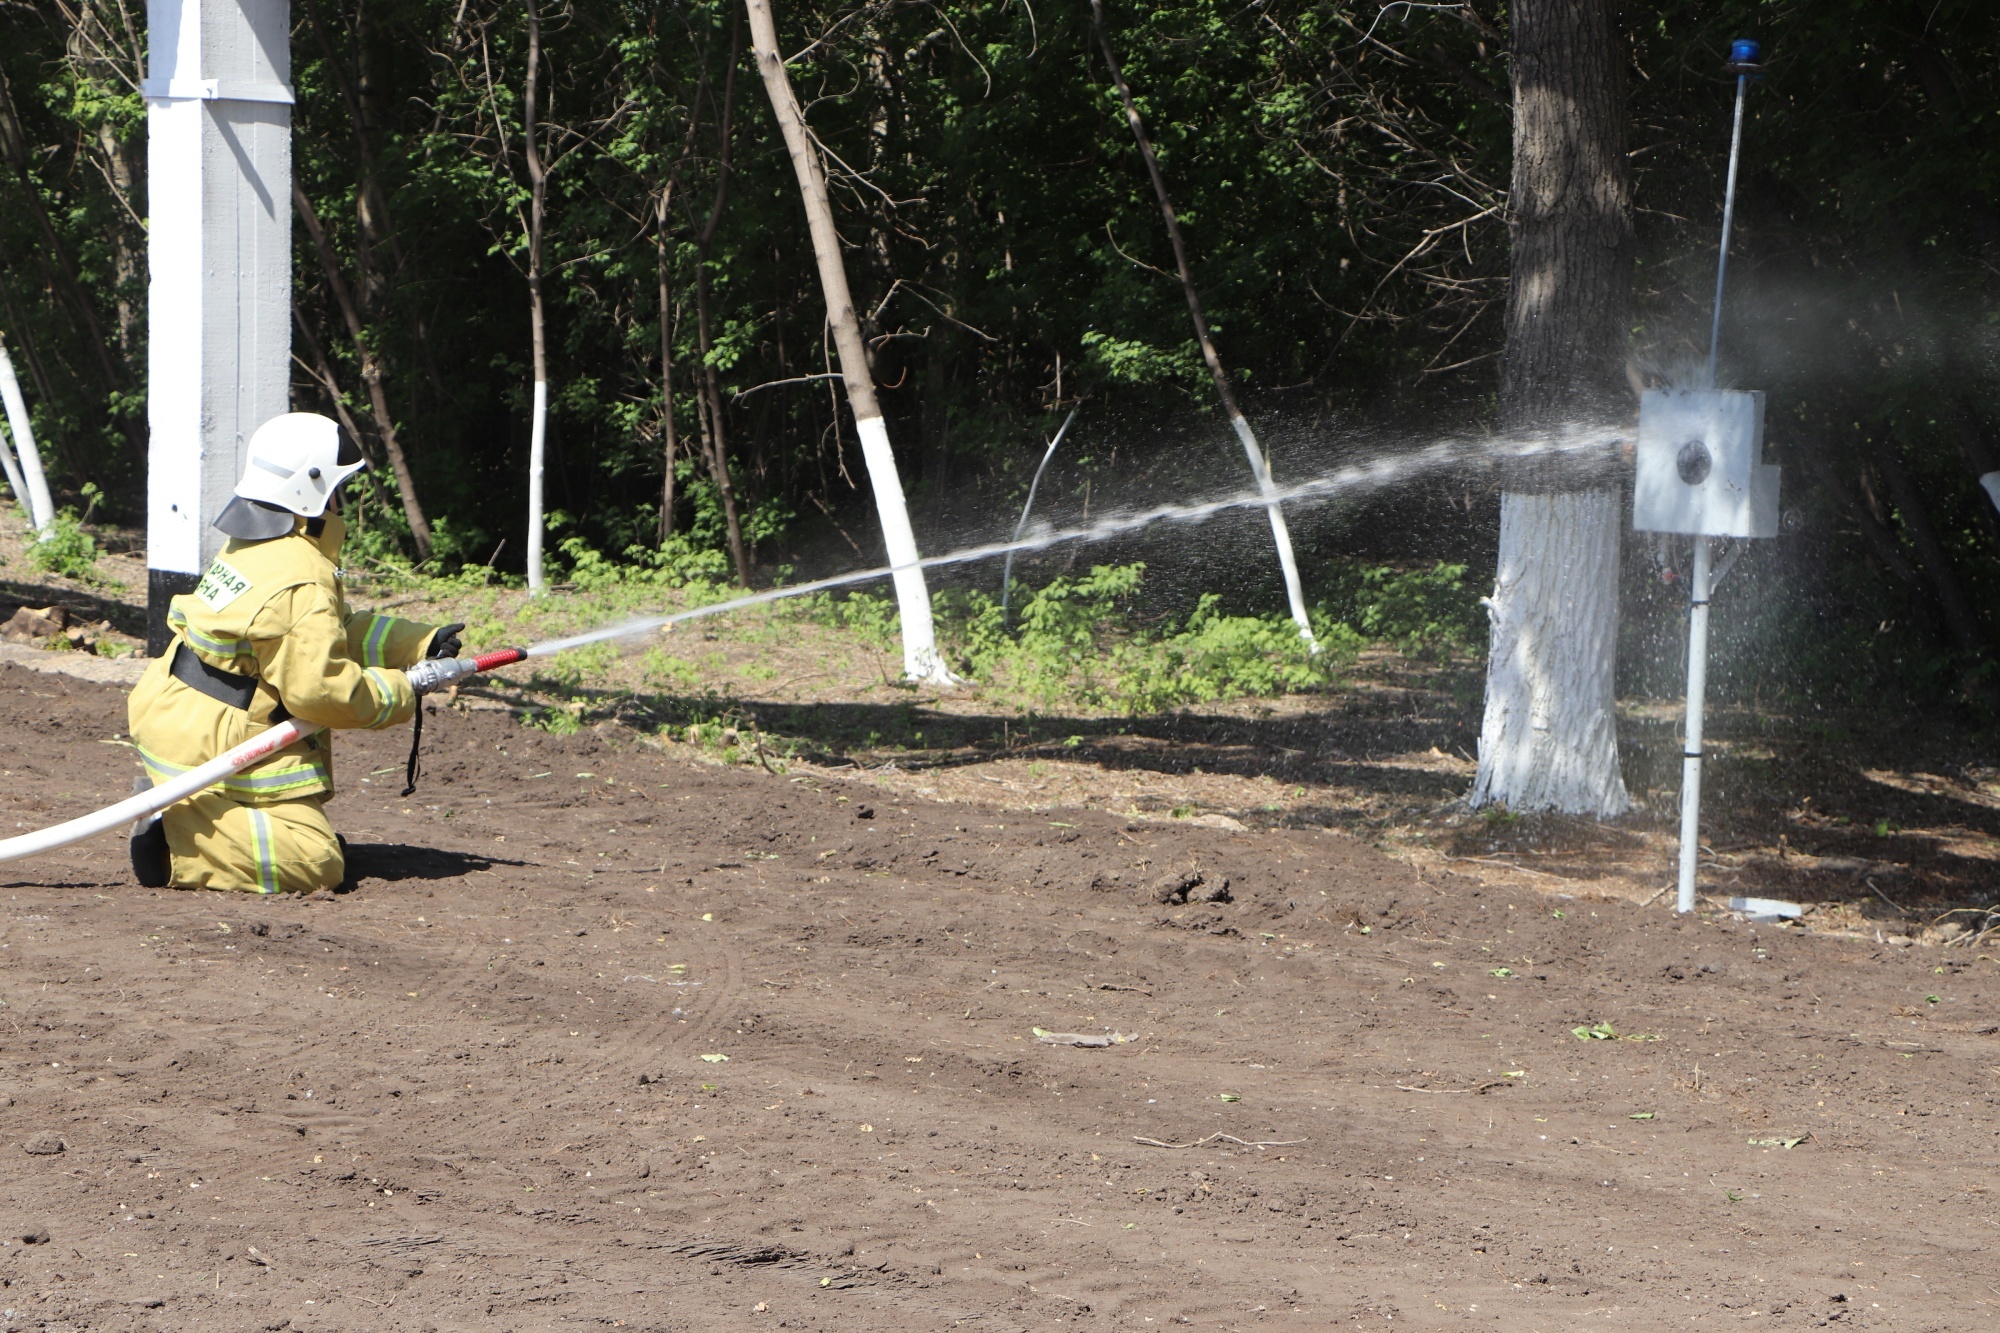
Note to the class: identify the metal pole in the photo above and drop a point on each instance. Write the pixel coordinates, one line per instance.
(1728, 219)
(1742, 58)
(1697, 692)
(1007, 571)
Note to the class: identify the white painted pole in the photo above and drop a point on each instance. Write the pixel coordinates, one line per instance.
(1697, 698)
(1728, 220)
(538, 439)
(19, 486)
(1007, 568)
(1281, 531)
(31, 488)
(218, 251)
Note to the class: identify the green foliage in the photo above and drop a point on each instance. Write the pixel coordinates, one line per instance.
(557, 721)
(661, 671)
(678, 563)
(1085, 640)
(69, 549)
(1137, 363)
(1423, 612)
(869, 615)
(1340, 172)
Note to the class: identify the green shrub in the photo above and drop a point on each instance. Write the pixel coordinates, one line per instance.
(872, 616)
(1423, 612)
(1080, 639)
(565, 721)
(69, 549)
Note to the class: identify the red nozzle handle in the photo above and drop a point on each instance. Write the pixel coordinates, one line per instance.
(499, 657)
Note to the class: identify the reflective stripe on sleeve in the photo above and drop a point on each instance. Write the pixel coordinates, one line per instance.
(385, 691)
(374, 641)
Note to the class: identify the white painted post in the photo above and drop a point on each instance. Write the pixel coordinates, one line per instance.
(538, 439)
(1281, 531)
(35, 496)
(219, 242)
(1697, 698)
(20, 487)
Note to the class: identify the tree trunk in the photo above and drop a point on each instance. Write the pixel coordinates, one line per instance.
(36, 499)
(322, 370)
(920, 655)
(662, 209)
(1260, 463)
(124, 254)
(1550, 739)
(538, 196)
(708, 385)
(374, 226)
(15, 146)
(371, 373)
(672, 441)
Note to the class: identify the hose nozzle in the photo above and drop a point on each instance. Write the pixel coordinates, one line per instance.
(434, 673)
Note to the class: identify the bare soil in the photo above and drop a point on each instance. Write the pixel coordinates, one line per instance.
(608, 1033)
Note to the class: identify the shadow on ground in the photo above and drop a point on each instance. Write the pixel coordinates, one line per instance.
(391, 862)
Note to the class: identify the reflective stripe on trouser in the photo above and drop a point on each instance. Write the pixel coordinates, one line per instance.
(282, 847)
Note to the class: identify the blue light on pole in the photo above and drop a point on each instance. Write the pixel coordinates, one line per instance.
(1745, 57)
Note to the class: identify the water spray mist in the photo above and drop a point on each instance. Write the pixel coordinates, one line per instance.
(1590, 446)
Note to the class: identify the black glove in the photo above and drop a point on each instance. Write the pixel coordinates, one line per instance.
(445, 642)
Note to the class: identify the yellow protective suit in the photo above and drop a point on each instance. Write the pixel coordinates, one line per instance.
(273, 610)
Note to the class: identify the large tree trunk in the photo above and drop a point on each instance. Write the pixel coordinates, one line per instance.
(913, 601)
(1550, 738)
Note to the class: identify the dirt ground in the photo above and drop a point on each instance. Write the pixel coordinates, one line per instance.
(611, 1034)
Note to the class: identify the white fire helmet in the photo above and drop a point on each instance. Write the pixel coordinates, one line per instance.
(296, 462)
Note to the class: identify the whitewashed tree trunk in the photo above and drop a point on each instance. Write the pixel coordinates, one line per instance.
(16, 484)
(35, 497)
(1550, 741)
(538, 200)
(1260, 462)
(538, 435)
(921, 660)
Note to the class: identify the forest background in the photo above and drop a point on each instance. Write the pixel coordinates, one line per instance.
(1340, 169)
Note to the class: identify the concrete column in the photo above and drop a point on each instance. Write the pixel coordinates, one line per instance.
(219, 239)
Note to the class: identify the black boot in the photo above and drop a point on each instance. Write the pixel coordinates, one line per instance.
(152, 864)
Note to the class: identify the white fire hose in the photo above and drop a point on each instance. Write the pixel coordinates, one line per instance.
(159, 798)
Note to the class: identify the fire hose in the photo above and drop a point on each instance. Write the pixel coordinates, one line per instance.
(425, 676)
(433, 674)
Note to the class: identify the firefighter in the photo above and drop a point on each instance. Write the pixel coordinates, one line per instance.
(267, 635)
